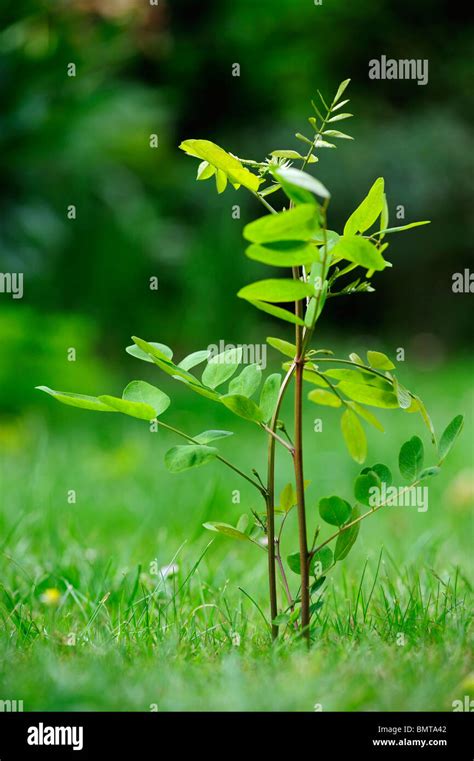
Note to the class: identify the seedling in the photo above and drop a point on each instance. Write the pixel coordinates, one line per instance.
(296, 238)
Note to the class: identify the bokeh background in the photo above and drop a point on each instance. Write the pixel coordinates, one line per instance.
(84, 140)
(167, 70)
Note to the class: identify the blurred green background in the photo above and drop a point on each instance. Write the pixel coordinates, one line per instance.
(167, 70)
(84, 140)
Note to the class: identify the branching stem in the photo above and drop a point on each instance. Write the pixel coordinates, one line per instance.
(219, 457)
(361, 518)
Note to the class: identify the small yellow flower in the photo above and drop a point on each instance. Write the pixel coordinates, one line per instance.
(51, 596)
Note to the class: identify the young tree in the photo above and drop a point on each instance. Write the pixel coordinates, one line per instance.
(296, 238)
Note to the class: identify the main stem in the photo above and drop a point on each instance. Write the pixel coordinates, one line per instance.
(270, 501)
(299, 474)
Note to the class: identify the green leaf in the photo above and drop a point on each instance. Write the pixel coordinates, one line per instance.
(374, 397)
(205, 171)
(135, 351)
(368, 211)
(449, 436)
(346, 539)
(188, 456)
(279, 312)
(221, 181)
(198, 388)
(140, 391)
(289, 177)
(287, 498)
(140, 410)
(221, 367)
(320, 143)
(359, 251)
(317, 585)
(269, 396)
(162, 361)
(310, 376)
(383, 472)
(334, 510)
(337, 134)
(276, 290)
(384, 217)
(284, 347)
(287, 155)
(339, 117)
(243, 523)
(247, 382)
(410, 459)
(293, 561)
(242, 407)
(354, 436)
(206, 436)
(268, 190)
(328, 398)
(403, 395)
(363, 486)
(303, 139)
(227, 530)
(296, 194)
(281, 620)
(340, 105)
(321, 561)
(355, 376)
(379, 361)
(329, 237)
(298, 224)
(82, 401)
(429, 472)
(404, 227)
(220, 159)
(426, 418)
(366, 415)
(140, 400)
(194, 359)
(283, 254)
(340, 90)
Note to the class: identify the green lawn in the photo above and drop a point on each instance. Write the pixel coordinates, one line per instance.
(393, 630)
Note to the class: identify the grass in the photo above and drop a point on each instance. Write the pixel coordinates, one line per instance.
(392, 634)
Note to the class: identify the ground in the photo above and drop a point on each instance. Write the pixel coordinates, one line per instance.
(89, 515)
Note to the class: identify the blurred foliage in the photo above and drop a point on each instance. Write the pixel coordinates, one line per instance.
(167, 70)
(30, 355)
